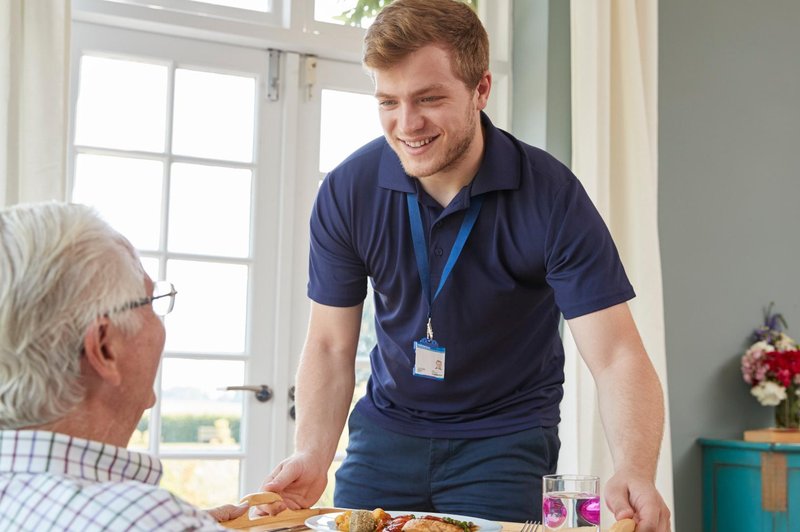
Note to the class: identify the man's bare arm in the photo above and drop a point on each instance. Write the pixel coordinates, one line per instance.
(324, 391)
(632, 410)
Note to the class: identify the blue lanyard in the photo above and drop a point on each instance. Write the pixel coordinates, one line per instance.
(421, 248)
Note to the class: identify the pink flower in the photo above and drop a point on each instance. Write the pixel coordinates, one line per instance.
(754, 364)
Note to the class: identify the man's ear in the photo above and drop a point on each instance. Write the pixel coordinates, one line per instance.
(483, 89)
(100, 353)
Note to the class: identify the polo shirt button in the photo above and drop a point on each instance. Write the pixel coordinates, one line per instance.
(438, 252)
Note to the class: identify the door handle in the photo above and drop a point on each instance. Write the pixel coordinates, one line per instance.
(262, 391)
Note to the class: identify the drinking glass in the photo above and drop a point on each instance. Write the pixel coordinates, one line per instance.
(571, 501)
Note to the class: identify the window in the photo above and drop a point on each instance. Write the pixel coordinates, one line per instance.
(166, 147)
(345, 12)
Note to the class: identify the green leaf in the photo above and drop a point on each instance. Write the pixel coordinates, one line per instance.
(370, 8)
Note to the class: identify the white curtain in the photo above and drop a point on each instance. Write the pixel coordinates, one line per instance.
(34, 105)
(614, 47)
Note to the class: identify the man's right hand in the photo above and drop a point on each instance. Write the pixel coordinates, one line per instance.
(325, 380)
(299, 480)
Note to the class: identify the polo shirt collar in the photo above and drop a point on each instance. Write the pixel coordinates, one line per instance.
(499, 170)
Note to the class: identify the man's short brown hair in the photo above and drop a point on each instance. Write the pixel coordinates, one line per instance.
(405, 26)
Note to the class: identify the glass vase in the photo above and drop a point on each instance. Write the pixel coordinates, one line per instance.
(787, 413)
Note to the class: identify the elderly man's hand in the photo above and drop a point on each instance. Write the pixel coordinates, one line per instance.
(629, 496)
(227, 512)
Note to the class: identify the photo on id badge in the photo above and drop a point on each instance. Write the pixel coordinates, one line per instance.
(428, 360)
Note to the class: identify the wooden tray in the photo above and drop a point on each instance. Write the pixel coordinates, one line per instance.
(773, 435)
(285, 518)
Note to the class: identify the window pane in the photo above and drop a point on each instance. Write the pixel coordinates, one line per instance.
(140, 439)
(349, 120)
(210, 312)
(204, 483)
(195, 413)
(114, 92)
(367, 338)
(214, 115)
(252, 5)
(354, 12)
(195, 192)
(344, 12)
(126, 192)
(150, 266)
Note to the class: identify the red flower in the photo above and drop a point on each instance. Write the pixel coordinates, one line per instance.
(783, 365)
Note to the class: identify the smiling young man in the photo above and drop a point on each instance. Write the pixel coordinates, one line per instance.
(475, 244)
(431, 119)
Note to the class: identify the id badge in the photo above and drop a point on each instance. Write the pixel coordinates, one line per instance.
(429, 359)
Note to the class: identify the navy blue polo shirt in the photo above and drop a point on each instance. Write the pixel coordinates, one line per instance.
(538, 249)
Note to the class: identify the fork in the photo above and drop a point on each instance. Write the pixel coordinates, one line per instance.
(530, 526)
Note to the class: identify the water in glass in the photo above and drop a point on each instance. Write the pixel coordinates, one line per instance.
(571, 502)
(564, 510)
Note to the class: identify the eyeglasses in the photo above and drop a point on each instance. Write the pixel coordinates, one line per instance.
(163, 299)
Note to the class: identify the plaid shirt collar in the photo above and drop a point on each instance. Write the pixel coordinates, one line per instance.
(36, 451)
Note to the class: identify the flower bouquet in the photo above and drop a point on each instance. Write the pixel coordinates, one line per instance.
(771, 366)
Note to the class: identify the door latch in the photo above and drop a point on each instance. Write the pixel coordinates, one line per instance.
(263, 393)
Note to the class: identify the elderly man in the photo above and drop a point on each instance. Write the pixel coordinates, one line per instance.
(80, 343)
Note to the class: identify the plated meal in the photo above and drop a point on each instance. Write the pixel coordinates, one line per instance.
(379, 520)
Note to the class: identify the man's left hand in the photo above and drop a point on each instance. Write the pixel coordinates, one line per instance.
(629, 496)
(227, 512)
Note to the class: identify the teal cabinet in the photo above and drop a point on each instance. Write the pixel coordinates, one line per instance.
(750, 487)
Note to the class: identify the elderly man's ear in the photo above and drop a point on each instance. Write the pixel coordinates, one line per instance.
(100, 351)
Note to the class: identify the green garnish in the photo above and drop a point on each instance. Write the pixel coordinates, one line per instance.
(465, 525)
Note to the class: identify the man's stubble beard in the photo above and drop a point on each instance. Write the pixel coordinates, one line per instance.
(455, 154)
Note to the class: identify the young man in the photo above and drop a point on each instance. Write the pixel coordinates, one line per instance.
(80, 343)
(475, 244)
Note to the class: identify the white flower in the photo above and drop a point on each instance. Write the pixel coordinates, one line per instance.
(785, 343)
(759, 348)
(769, 393)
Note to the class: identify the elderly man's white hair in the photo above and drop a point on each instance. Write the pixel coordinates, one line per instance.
(61, 267)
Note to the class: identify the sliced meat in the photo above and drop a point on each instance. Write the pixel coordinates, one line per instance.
(430, 525)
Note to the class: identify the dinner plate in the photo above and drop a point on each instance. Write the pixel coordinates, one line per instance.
(327, 522)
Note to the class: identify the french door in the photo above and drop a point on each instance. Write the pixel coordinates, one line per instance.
(178, 145)
(208, 158)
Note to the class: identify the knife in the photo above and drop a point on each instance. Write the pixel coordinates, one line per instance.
(296, 528)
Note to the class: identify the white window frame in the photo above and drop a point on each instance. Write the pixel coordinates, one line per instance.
(290, 27)
(272, 16)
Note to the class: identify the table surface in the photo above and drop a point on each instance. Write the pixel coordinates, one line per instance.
(507, 527)
(278, 523)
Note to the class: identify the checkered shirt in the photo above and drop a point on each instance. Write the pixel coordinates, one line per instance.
(51, 481)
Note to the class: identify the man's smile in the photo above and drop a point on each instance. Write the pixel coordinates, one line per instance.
(418, 143)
